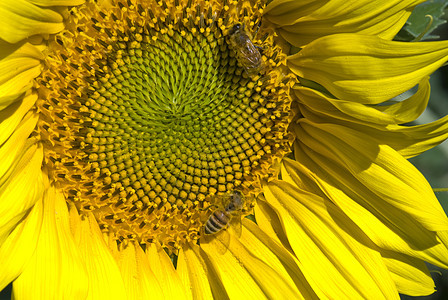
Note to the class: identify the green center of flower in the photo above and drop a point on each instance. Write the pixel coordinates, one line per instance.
(149, 113)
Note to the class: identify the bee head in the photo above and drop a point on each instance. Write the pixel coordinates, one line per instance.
(237, 201)
(234, 29)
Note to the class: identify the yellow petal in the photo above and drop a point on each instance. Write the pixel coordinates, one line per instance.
(193, 273)
(410, 275)
(380, 18)
(408, 110)
(375, 116)
(232, 273)
(163, 269)
(11, 150)
(13, 114)
(379, 122)
(216, 284)
(409, 141)
(104, 276)
(367, 69)
(20, 19)
(285, 12)
(321, 236)
(21, 191)
(138, 278)
(269, 222)
(377, 167)
(57, 2)
(19, 246)
(55, 271)
(443, 235)
(388, 227)
(17, 71)
(241, 264)
(276, 254)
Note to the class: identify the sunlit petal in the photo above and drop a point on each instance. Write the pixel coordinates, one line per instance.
(369, 70)
(19, 247)
(140, 282)
(388, 227)
(278, 254)
(11, 116)
(378, 116)
(310, 20)
(336, 262)
(20, 19)
(407, 140)
(56, 2)
(55, 271)
(163, 269)
(410, 275)
(103, 273)
(194, 273)
(376, 166)
(11, 150)
(17, 72)
(241, 264)
(20, 191)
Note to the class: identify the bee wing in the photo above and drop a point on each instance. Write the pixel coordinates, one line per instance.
(236, 226)
(250, 53)
(219, 240)
(222, 239)
(222, 201)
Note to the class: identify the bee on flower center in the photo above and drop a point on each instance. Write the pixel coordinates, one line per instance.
(246, 52)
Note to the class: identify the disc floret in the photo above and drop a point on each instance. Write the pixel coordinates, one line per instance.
(150, 114)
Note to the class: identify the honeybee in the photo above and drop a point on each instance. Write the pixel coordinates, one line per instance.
(220, 218)
(247, 53)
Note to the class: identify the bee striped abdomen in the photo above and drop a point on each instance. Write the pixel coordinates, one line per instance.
(216, 222)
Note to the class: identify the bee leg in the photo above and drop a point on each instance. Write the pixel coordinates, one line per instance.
(258, 28)
(264, 37)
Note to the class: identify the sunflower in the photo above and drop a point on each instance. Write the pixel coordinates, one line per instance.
(215, 149)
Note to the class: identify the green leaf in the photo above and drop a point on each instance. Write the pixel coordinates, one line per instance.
(419, 26)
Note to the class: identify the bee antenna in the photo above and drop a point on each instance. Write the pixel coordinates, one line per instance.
(258, 28)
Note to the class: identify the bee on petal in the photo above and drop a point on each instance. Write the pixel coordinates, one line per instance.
(220, 218)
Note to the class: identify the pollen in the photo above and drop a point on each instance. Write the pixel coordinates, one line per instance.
(148, 112)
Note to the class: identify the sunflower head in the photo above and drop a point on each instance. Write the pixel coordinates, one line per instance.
(149, 114)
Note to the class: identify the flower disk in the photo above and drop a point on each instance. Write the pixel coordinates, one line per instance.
(151, 113)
